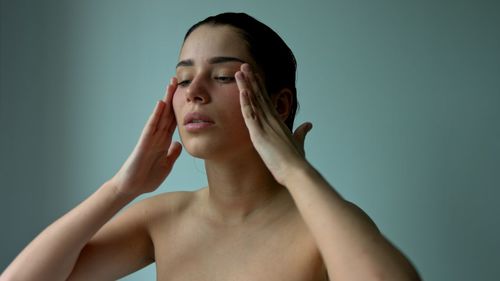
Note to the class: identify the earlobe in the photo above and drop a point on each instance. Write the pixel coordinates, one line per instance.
(282, 102)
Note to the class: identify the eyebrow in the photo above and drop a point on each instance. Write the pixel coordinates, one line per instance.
(214, 60)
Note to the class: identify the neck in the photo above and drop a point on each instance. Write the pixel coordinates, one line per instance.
(241, 188)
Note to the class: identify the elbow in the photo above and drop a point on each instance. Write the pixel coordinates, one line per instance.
(390, 270)
(7, 276)
(406, 273)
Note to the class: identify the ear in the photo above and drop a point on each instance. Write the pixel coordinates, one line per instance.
(282, 102)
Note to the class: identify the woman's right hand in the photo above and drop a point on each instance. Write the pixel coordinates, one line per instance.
(154, 155)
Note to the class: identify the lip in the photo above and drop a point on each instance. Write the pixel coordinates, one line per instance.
(191, 124)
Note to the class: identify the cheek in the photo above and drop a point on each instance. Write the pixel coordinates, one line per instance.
(232, 97)
(235, 102)
(233, 111)
(177, 103)
(231, 105)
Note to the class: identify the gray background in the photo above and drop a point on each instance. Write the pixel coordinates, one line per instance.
(404, 96)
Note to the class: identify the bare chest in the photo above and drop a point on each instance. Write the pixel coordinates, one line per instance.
(193, 251)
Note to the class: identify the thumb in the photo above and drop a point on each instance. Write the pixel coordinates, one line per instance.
(173, 153)
(300, 134)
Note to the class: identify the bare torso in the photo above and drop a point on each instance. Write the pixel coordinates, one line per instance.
(189, 245)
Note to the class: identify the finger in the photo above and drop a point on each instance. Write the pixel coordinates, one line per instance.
(243, 83)
(246, 99)
(261, 97)
(171, 128)
(168, 117)
(173, 153)
(153, 120)
(166, 137)
(246, 105)
(249, 95)
(300, 134)
(251, 78)
(247, 109)
(169, 93)
(259, 107)
(256, 85)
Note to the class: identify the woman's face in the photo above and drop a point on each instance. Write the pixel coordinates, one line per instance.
(206, 102)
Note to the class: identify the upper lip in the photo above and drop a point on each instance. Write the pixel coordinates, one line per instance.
(190, 117)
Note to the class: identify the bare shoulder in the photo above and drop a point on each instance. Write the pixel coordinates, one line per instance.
(163, 204)
(160, 211)
(125, 243)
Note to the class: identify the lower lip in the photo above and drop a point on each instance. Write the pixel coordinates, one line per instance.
(196, 127)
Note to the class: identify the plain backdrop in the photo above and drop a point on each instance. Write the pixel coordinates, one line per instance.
(404, 97)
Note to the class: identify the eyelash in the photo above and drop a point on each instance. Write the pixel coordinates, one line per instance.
(183, 83)
(225, 79)
(221, 79)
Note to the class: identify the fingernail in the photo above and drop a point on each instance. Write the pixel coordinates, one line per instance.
(239, 75)
(246, 67)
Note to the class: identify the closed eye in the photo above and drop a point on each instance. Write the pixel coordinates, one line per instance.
(183, 83)
(225, 79)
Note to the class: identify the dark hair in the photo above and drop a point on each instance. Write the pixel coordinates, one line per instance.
(269, 51)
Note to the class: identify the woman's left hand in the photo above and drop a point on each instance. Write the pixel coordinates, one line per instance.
(279, 149)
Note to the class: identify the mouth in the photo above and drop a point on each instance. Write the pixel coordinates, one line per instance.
(195, 122)
(197, 118)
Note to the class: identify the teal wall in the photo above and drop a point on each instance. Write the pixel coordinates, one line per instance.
(404, 96)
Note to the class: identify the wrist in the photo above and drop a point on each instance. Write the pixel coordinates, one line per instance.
(297, 172)
(119, 191)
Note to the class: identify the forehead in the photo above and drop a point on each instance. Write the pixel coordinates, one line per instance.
(208, 41)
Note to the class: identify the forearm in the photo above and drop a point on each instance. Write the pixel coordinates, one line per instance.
(54, 252)
(351, 245)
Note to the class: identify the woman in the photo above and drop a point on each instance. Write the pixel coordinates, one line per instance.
(266, 214)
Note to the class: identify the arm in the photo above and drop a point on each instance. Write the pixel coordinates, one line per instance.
(54, 252)
(70, 246)
(350, 244)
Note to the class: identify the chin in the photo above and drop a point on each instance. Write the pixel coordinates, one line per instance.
(211, 149)
(200, 148)
(197, 152)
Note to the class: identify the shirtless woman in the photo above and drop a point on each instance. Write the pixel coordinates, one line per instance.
(266, 214)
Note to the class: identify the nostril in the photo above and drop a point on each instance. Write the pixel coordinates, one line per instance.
(196, 98)
(197, 92)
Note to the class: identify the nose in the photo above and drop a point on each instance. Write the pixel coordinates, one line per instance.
(197, 91)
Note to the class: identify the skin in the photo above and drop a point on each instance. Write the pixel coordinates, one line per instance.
(266, 214)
